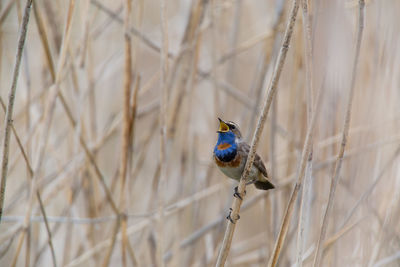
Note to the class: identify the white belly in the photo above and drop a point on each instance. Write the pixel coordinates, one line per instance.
(236, 173)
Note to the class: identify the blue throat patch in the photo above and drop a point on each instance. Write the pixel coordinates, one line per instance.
(225, 149)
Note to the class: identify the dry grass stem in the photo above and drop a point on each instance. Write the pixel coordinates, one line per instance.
(224, 251)
(11, 100)
(305, 197)
(126, 131)
(299, 181)
(345, 133)
(163, 119)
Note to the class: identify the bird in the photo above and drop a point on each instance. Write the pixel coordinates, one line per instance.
(230, 155)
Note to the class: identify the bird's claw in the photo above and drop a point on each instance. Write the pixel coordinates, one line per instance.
(236, 193)
(230, 218)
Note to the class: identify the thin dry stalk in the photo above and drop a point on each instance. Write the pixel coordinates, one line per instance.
(107, 257)
(18, 139)
(389, 216)
(304, 209)
(28, 247)
(85, 34)
(57, 225)
(300, 177)
(345, 133)
(19, 245)
(305, 194)
(30, 173)
(64, 44)
(127, 121)
(43, 36)
(131, 136)
(10, 107)
(224, 251)
(163, 133)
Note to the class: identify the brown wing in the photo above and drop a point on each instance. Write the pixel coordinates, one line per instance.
(245, 148)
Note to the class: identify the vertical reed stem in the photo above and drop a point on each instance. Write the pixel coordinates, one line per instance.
(226, 243)
(10, 107)
(163, 132)
(345, 133)
(305, 194)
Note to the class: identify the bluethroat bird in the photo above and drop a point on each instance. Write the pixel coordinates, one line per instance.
(230, 155)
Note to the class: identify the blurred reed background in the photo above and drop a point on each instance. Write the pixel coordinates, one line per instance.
(116, 110)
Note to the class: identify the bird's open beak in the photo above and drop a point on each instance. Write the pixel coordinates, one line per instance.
(223, 127)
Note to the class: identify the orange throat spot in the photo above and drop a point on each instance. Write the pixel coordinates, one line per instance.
(223, 146)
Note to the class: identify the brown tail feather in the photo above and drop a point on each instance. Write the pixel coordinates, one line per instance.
(264, 185)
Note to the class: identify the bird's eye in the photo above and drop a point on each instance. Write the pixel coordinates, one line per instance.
(232, 127)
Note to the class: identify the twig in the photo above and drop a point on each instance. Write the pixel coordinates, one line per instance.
(293, 197)
(127, 126)
(43, 36)
(223, 254)
(345, 132)
(305, 194)
(163, 118)
(10, 107)
(300, 177)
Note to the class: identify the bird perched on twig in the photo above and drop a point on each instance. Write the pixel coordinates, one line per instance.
(230, 155)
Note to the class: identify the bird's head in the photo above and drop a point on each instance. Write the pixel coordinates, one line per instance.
(228, 136)
(228, 130)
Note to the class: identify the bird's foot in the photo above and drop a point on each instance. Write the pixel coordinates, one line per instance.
(230, 218)
(236, 194)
